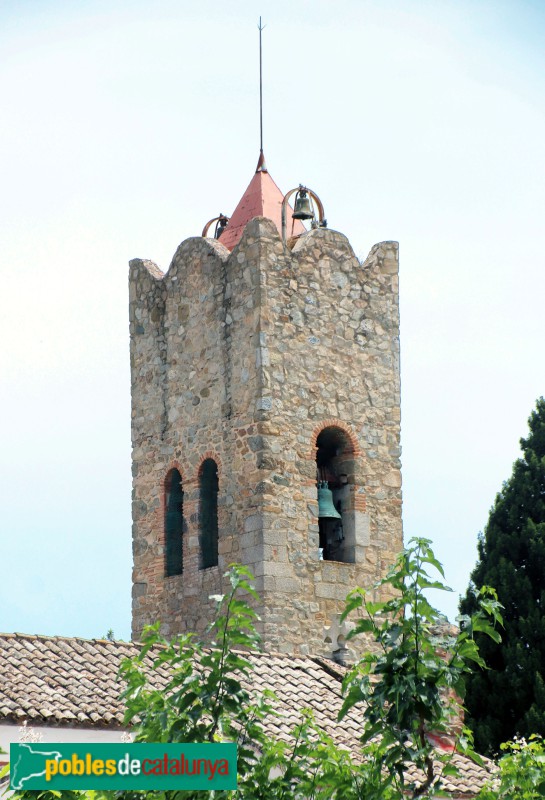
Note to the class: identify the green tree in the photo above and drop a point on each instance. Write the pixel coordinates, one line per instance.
(521, 772)
(507, 698)
(411, 683)
(408, 686)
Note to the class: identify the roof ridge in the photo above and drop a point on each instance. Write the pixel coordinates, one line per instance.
(328, 666)
(64, 638)
(133, 643)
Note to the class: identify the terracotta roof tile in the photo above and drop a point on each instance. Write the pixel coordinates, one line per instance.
(64, 681)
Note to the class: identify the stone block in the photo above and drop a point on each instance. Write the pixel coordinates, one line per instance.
(248, 539)
(274, 537)
(331, 591)
(290, 585)
(253, 523)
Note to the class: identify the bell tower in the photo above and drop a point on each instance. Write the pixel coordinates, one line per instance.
(265, 421)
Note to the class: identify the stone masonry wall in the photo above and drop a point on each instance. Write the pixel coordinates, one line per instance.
(245, 357)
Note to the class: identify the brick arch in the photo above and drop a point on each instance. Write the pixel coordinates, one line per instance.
(173, 465)
(212, 455)
(353, 449)
(164, 487)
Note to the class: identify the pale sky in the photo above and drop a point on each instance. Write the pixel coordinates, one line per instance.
(125, 126)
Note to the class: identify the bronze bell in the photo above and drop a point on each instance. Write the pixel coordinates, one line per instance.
(220, 225)
(303, 206)
(325, 502)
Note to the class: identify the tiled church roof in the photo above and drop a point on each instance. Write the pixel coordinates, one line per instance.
(73, 682)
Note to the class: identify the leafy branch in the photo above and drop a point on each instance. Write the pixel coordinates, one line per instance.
(408, 685)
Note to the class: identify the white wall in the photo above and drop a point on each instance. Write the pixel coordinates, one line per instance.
(16, 733)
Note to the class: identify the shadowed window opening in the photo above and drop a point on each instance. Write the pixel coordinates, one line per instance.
(208, 514)
(334, 473)
(174, 524)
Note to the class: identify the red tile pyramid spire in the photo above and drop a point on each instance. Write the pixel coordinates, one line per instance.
(262, 198)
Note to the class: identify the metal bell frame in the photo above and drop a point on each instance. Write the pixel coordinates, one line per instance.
(302, 190)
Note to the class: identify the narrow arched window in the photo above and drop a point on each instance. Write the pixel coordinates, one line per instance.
(174, 524)
(208, 513)
(334, 466)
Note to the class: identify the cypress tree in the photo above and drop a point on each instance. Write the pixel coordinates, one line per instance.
(508, 698)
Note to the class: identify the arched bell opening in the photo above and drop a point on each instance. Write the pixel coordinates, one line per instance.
(335, 487)
(174, 524)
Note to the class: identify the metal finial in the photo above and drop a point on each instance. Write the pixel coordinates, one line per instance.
(261, 27)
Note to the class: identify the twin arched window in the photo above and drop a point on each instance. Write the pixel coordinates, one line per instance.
(208, 519)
